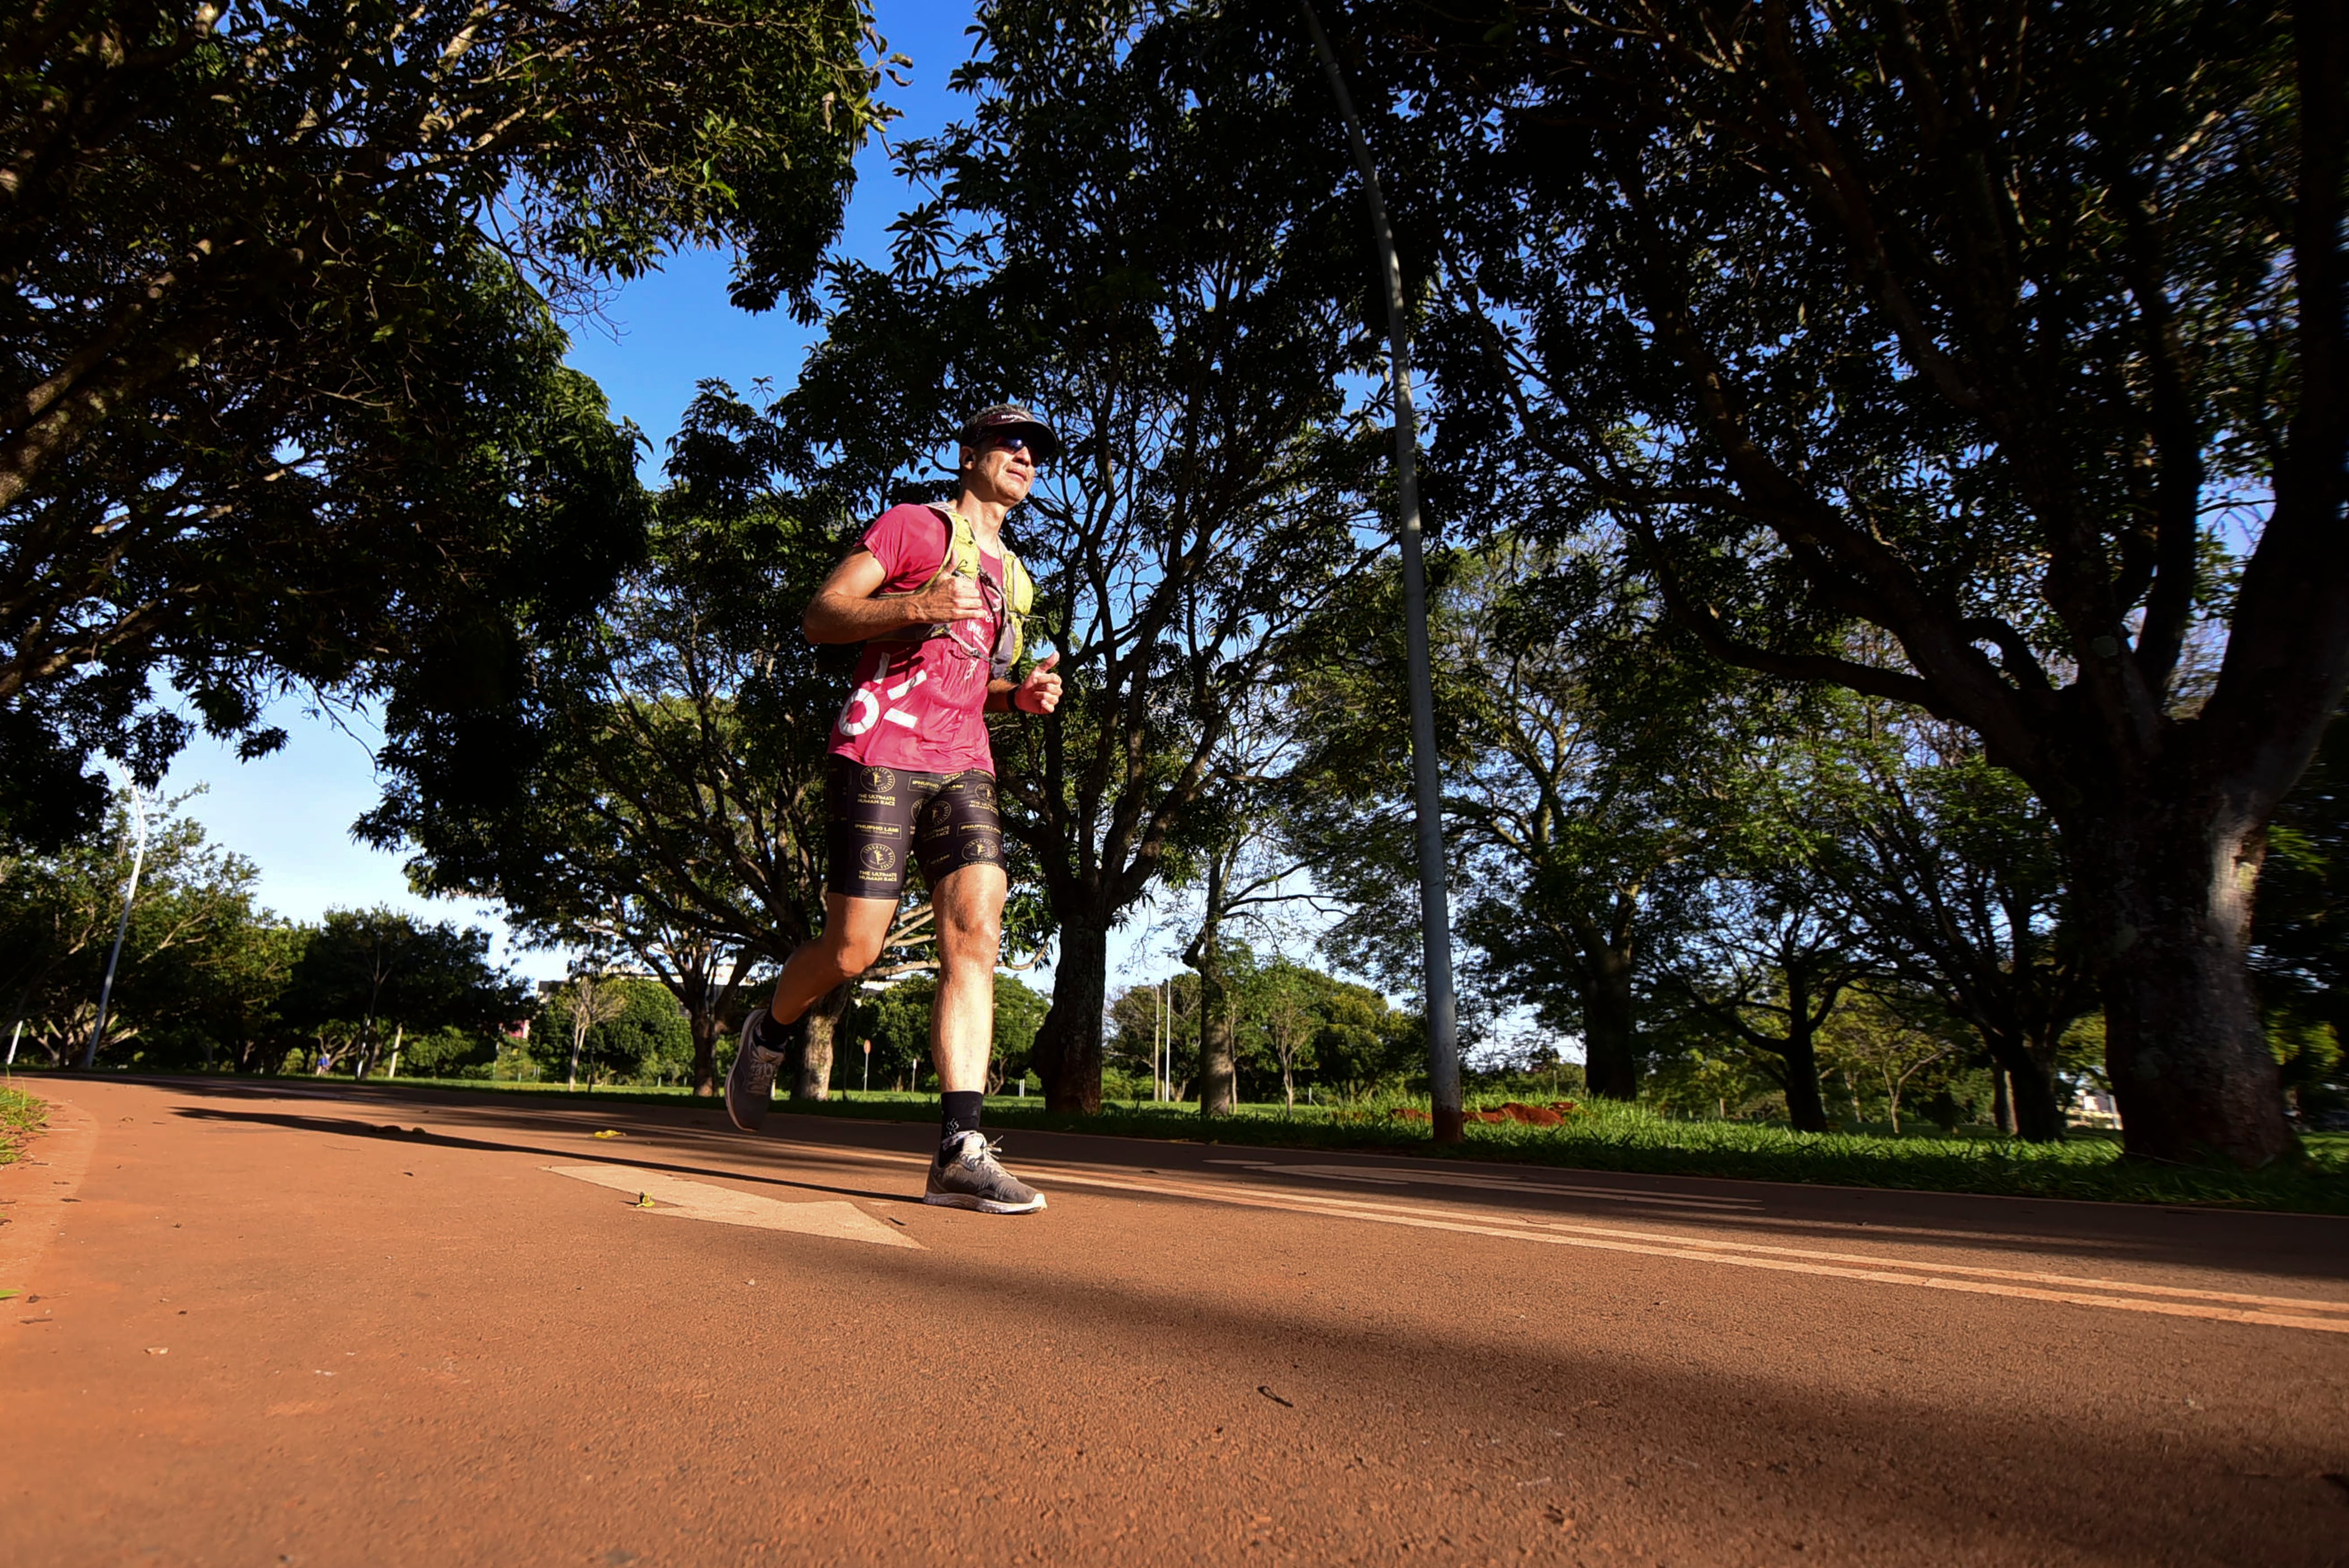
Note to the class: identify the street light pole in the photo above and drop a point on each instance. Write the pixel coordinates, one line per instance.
(121, 929)
(1427, 792)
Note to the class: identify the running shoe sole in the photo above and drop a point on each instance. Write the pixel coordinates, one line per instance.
(982, 1205)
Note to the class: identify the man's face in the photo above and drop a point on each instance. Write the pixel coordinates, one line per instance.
(1001, 469)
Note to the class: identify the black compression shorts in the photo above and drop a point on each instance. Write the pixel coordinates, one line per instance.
(877, 815)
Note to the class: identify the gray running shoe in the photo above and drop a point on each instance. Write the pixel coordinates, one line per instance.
(751, 1082)
(970, 1178)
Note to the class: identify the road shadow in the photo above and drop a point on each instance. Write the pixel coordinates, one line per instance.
(640, 1157)
(2309, 1247)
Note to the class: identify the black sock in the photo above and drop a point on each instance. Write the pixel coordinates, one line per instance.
(960, 1107)
(769, 1034)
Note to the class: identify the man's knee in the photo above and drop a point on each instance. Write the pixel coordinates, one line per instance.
(971, 935)
(852, 953)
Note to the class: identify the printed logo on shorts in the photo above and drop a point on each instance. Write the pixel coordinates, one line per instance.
(877, 858)
(982, 793)
(879, 779)
(978, 849)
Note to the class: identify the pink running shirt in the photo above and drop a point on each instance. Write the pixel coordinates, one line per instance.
(922, 707)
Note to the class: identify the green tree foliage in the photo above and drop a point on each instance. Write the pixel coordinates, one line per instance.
(369, 975)
(1893, 1045)
(1586, 765)
(897, 1021)
(202, 966)
(1964, 325)
(281, 397)
(1765, 966)
(1949, 874)
(1292, 1028)
(673, 806)
(2301, 934)
(637, 1034)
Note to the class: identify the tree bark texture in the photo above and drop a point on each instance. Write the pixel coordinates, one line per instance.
(1218, 1066)
(812, 1078)
(2166, 899)
(2027, 1106)
(699, 994)
(1068, 1050)
(1610, 1038)
(1799, 1075)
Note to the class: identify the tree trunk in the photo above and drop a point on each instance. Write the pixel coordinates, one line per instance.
(698, 994)
(2038, 1112)
(817, 1027)
(1609, 1045)
(2028, 1106)
(1068, 1051)
(1218, 1072)
(2167, 902)
(2002, 1109)
(1800, 1051)
(707, 1029)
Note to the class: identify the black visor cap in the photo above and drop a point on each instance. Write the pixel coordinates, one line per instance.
(1011, 420)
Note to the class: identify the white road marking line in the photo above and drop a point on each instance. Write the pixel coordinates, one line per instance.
(835, 1217)
(1935, 1266)
(1489, 1183)
(1925, 1274)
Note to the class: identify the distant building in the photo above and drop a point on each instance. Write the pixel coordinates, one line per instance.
(2095, 1108)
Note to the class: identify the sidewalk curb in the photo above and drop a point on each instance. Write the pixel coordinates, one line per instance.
(37, 1188)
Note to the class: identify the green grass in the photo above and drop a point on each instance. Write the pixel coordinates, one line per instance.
(1608, 1137)
(21, 1116)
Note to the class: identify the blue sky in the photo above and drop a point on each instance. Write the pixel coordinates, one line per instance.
(291, 812)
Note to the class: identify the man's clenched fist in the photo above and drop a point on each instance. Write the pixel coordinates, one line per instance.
(1040, 692)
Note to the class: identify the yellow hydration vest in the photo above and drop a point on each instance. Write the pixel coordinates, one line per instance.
(961, 560)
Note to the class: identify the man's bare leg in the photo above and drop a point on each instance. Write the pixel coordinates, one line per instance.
(969, 905)
(854, 930)
(966, 1174)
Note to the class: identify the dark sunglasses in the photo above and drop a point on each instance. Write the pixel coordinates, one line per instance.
(1016, 444)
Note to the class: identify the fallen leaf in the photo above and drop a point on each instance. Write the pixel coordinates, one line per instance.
(643, 1201)
(157, 1350)
(607, 1132)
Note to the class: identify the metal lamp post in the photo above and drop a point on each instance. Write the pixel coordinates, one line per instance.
(121, 929)
(1435, 899)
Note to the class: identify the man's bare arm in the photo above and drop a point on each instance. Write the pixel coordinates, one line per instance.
(847, 608)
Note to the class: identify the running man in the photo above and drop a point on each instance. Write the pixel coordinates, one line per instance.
(913, 780)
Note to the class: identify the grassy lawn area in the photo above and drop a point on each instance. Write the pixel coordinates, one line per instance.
(1607, 1137)
(21, 1116)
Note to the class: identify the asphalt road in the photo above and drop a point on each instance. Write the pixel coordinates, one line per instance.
(266, 1326)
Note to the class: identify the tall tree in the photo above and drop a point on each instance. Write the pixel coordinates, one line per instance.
(1948, 873)
(281, 398)
(380, 972)
(1145, 229)
(1962, 321)
(1586, 762)
(1766, 971)
(195, 942)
